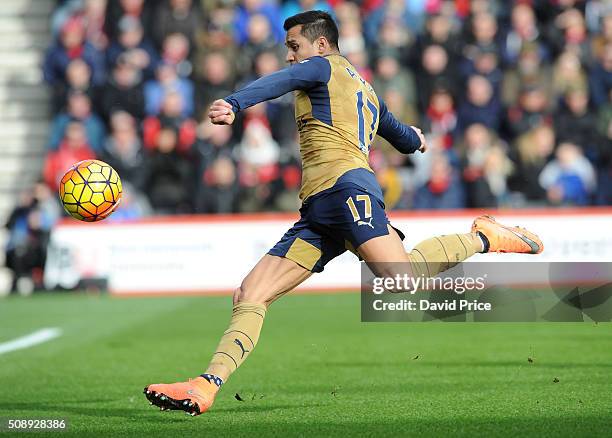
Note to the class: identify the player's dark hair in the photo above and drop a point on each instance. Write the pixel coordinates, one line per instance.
(315, 24)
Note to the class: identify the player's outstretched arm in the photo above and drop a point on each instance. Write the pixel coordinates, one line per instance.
(406, 139)
(302, 76)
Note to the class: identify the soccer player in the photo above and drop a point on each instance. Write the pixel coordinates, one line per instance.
(337, 114)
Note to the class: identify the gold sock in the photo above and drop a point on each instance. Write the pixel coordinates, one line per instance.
(239, 339)
(438, 254)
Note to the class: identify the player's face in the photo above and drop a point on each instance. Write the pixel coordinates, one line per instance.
(298, 46)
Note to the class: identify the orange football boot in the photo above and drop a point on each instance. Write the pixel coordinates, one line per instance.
(194, 396)
(507, 239)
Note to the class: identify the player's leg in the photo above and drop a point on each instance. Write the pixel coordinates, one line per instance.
(386, 255)
(271, 278)
(292, 260)
(361, 218)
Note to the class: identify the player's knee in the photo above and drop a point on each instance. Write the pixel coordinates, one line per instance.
(391, 270)
(244, 294)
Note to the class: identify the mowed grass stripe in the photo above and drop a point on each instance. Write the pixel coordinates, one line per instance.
(30, 340)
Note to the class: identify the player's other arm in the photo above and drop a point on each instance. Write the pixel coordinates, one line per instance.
(406, 139)
(302, 76)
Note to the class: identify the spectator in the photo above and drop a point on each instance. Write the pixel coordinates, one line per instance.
(483, 35)
(528, 72)
(216, 81)
(71, 45)
(91, 12)
(168, 81)
(218, 33)
(137, 9)
(168, 175)
(443, 189)
(78, 79)
(258, 157)
(438, 31)
(441, 117)
(123, 149)
(480, 105)
(94, 16)
(259, 39)
(524, 30)
(531, 110)
(532, 151)
(393, 38)
(485, 63)
(567, 73)
(170, 117)
(435, 71)
(79, 109)
(177, 16)
(409, 15)
(600, 79)
(214, 141)
(248, 9)
(72, 149)
(569, 179)
(133, 47)
(569, 33)
(175, 52)
(123, 91)
(28, 225)
(486, 167)
(63, 12)
(218, 190)
(574, 123)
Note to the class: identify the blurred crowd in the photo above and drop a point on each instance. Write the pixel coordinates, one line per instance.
(514, 98)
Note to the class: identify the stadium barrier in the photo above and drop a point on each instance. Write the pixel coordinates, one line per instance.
(211, 254)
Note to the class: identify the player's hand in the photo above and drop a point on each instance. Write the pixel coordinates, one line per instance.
(423, 146)
(220, 113)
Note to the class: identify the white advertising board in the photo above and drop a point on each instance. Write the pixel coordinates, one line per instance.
(210, 254)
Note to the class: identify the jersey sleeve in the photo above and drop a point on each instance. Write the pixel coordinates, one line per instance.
(402, 137)
(301, 76)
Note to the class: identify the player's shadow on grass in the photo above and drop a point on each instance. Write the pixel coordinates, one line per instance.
(253, 407)
(135, 410)
(76, 408)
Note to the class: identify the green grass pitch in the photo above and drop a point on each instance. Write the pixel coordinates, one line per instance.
(317, 371)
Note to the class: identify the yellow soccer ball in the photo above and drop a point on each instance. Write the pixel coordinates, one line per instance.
(90, 191)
